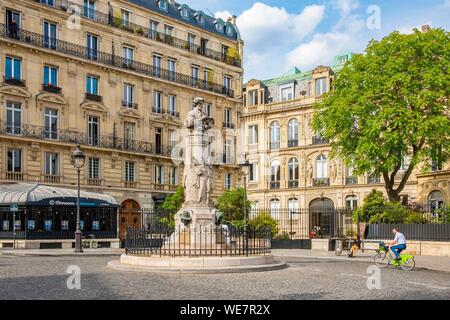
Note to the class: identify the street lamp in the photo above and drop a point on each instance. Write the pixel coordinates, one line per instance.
(78, 158)
(245, 171)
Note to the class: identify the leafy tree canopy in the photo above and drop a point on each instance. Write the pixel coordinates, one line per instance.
(231, 204)
(390, 104)
(174, 202)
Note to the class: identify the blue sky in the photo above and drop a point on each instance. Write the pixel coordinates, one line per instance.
(281, 34)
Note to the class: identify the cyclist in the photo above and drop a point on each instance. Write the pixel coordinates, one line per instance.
(399, 243)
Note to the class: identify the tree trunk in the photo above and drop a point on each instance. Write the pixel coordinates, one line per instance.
(393, 195)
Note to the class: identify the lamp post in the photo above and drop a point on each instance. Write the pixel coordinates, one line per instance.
(245, 170)
(78, 158)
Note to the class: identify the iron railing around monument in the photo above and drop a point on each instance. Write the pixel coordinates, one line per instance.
(215, 241)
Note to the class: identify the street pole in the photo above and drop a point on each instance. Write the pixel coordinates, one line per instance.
(78, 248)
(245, 215)
(14, 230)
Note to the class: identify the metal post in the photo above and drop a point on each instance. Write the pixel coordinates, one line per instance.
(14, 230)
(78, 248)
(245, 216)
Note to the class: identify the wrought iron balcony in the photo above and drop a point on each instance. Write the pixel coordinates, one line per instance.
(129, 104)
(78, 51)
(319, 140)
(76, 137)
(117, 22)
(173, 113)
(14, 81)
(158, 110)
(94, 97)
(293, 184)
(275, 185)
(228, 125)
(321, 182)
(48, 87)
(374, 179)
(351, 180)
(293, 143)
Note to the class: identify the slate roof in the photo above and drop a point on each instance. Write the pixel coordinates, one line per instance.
(174, 13)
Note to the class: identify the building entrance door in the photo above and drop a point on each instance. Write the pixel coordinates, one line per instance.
(130, 215)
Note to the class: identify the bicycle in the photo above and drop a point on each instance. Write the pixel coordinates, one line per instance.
(90, 243)
(385, 257)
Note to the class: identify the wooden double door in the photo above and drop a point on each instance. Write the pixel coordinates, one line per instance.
(130, 215)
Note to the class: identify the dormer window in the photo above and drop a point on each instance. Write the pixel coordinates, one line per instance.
(163, 5)
(219, 25)
(200, 16)
(184, 11)
(229, 29)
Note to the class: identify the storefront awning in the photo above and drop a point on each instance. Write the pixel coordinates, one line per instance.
(40, 195)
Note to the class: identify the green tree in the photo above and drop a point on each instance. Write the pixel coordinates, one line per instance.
(231, 204)
(389, 104)
(373, 204)
(172, 204)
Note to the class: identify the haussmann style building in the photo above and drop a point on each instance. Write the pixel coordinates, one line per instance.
(117, 78)
(290, 165)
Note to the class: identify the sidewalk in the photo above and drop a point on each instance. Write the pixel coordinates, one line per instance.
(422, 262)
(61, 252)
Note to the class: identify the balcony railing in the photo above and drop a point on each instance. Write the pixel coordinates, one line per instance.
(76, 137)
(158, 110)
(228, 125)
(321, 182)
(374, 180)
(130, 184)
(50, 178)
(319, 140)
(292, 143)
(14, 81)
(293, 184)
(129, 104)
(275, 185)
(14, 176)
(117, 22)
(94, 182)
(93, 97)
(48, 87)
(75, 50)
(173, 113)
(351, 180)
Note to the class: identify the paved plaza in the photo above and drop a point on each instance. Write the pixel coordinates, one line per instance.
(45, 277)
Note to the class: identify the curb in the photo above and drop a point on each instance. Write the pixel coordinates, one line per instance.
(37, 254)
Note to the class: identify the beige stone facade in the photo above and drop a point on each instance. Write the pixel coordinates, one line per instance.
(126, 76)
(291, 165)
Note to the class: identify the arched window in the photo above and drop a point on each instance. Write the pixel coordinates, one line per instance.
(275, 208)
(293, 208)
(274, 135)
(351, 202)
(275, 171)
(293, 133)
(321, 167)
(293, 169)
(436, 200)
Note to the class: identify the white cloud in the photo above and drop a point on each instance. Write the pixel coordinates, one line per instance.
(224, 15)
(268, 31)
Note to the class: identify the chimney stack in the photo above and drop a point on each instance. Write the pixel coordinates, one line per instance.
(426, 28)
(233, 19)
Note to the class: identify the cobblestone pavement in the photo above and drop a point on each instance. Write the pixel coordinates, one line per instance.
(45, 278)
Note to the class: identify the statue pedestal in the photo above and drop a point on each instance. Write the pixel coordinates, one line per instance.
(198, 229)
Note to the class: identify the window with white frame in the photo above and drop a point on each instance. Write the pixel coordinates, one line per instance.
(172, 104)
(126, 17)
(94, 168)
(173, 176)
(130, 171)
(275, 207)
(252, 134)
(51, 123)
(287, 92)
(51, 164)
(13, 117)
(274, 135)
(321, 167)
(93, 130)
(227, 116)
(293, 208)
(14, 160)
(159, 174)
(252, 98)
(157, 102)
(275, 174)
(321, 86)
(128, 95)
(207, 108)
(253, 172)
(293, 132)
(128, 55)
(173, 138)
(351, 202)
(293, 169)
(228, 184)
(228, 151)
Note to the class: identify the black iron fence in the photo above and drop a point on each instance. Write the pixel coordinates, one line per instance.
(221, 240)
(117, 22)
(79, 51)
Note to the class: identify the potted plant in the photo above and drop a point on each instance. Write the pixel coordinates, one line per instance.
(140, 32)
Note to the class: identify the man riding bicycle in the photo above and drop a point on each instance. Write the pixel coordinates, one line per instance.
(399, 243)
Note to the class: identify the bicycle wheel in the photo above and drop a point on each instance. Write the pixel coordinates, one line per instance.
(408, 264)
(381, 259)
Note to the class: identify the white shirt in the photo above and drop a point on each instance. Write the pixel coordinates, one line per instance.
(400, 238)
